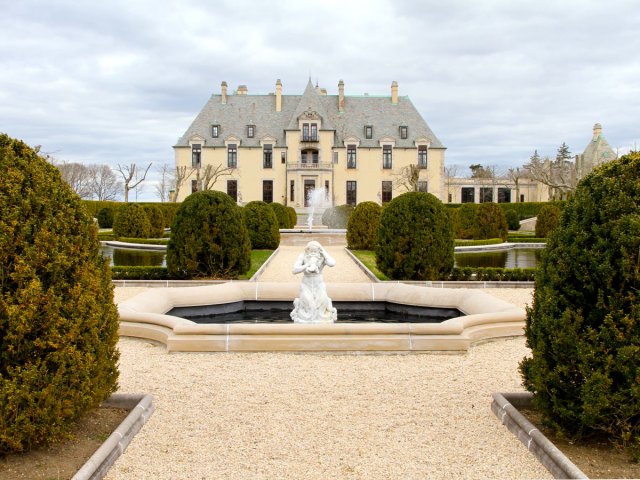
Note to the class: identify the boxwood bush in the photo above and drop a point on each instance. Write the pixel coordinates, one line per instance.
(547, 220)
(131, 221)
(583, 327)
(282, 215)
(262, 225)
(337, 217)
(208, 238)
(362, 226)
(415, 238)
(58, 322)
(156, 221)
(293, 217)
(490, 222)
(466, 221)
(105, 217)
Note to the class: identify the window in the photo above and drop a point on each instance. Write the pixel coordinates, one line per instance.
(404, 132)
(283, 157)
(196, 155)
(194, 186)
(422, 156)
(232, 189)
(335, 157)
(215, 131)
(326, 188)
(422, 185)
(351, 192)
(251, 131)
(232, 156)
(309, 156)
(267, 155)
(486, 194)
(521, 197)
(468, 195)
(386, 156)
(351, 156)
(292, 189)
(387, 187)
(504, 195)
(309, 132)
(368, 131)
(267, 191)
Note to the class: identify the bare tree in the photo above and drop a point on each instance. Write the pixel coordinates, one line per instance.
(78, 176)
(211, 174)
(181, 175)
(514, 175)
(104, 184)
(166, 182)
(408, 178)
(450, 174)
(559, 175)
(128, 173)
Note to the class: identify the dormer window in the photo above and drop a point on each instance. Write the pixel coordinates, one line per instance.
(368, 131)
(251, 131)
(309, 132)
(215, 131)
(404, 131)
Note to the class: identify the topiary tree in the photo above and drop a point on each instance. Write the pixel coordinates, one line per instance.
(466, 221)
(513, 219)
(156, 221)
(281, 214)
(105, 217)
(415, 238)
(208, 238)
(58, 322)
(262, 225)
(131, 221)
(548, 219)
(337, 217)
(491, 222)
(362, 227)
(583, 327)
(293, 217)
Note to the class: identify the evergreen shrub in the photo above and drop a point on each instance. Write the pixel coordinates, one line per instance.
(293, 217)
(491, 222)
(362, 227)
(156, 221)
(262, 225)
(131, 220)
(415, 238)
(208, 238)
(105, 217)
(513, 219)
(583, 327)
(337, 217)
(548, 219)
(282, 215)
(58, 322)
(466, 221)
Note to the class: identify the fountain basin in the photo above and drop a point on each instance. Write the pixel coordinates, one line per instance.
(483, 318)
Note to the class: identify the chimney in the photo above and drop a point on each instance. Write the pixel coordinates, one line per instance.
(278, 95)
(242, 90)
(394, 93)
(224, 93)
(341, 96)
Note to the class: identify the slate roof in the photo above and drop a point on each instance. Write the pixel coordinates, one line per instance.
(260, 110)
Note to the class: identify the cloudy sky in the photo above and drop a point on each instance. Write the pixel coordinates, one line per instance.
(118, 82)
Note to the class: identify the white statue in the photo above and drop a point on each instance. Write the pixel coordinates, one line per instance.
(313, 305)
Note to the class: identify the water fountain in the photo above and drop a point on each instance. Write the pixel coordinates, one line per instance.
(316, 198)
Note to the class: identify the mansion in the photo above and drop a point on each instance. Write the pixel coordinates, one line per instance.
(277, 148)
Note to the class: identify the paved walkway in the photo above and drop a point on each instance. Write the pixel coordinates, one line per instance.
(345, 271)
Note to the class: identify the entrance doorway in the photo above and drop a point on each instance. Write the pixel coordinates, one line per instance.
(308, 186)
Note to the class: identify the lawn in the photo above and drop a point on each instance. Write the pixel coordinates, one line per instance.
(368, 258)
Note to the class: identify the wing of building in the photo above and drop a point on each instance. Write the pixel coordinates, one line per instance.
(277, 147)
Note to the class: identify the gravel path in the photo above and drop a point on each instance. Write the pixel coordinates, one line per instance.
(308, 416)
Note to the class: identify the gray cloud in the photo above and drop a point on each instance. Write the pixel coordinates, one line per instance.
(119, 82)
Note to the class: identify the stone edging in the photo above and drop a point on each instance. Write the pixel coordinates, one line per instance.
(262, 268)
(504, 407)
(362, 266)
(142, 407)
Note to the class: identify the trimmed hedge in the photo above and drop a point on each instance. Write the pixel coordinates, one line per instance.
(131, 221)
(156, 221)
(583, 327)
(513, 219)
(293, 217)
(337, 217)
(491, 222)
(415, 238)
(105, 217)
(362, 227)
(140, 273)
(548, 219)
(490, 274)
(262, 225)
(281, 213)
(58, 322)
(208, 238)
(478, 243)
(465, 221)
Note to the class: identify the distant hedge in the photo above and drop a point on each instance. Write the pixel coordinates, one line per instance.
(131, 220)
(337, 217)
(282, 214)
(262, 225)
(140, 273)
(523, 209)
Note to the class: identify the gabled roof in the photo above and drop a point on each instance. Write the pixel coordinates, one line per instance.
(260, 110)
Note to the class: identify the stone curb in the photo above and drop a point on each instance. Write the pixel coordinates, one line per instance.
(362, 267)
(504, 406)
(137, 246)
(262, 268)
(142, 408)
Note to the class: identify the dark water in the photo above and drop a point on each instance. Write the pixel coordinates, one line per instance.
(348, 312)
(513, 258)
(131, 257)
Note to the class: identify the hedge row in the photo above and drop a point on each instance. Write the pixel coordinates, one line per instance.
(478, 243)
(139, 273)
(492, 274)
(524, 209)
(526, 240)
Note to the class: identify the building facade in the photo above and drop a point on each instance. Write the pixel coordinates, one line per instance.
(278, 148)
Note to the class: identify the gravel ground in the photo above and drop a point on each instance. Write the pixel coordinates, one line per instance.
(308, 416)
